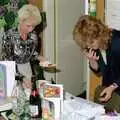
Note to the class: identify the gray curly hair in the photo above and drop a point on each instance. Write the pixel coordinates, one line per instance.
(29, 11)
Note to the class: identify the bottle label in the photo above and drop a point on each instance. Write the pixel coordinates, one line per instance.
(34, 110)
(34, 93)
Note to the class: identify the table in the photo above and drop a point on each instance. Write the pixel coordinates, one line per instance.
(76, 109)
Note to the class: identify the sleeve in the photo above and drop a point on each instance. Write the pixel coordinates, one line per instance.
(117, 81)
(116, 63)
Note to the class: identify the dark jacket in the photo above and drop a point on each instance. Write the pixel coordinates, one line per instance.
(111, 70)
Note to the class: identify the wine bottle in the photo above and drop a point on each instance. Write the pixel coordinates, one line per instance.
(40, 73)
(53, 81)
(35, 100)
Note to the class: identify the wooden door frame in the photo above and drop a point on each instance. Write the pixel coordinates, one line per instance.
(94, 80)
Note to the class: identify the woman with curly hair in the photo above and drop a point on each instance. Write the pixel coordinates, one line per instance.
(101, 46)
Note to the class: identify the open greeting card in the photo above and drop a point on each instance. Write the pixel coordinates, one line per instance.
(7, 79)
(52, 100)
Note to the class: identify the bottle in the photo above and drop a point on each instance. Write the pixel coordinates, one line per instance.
(53, 81)
(92, 7)
(35, 100)
(40, 73)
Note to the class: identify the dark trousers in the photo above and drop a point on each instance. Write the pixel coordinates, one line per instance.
(112, 104)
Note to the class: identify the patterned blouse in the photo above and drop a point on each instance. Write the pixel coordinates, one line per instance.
(14, 48)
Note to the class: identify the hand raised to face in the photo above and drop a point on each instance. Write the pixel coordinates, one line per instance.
(91, 54)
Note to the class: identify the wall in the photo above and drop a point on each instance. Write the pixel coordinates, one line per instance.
(59, 46)
(68, 56)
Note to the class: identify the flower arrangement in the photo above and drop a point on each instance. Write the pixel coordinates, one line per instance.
(8, 12)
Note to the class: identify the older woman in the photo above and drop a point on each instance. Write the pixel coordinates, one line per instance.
(19, 44)
(101, 46)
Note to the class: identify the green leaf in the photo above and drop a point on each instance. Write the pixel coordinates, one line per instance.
(21, 3)
(9, 19)
(4, 2)
(2, 23)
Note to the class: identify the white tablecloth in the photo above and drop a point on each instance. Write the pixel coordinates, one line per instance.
(76, 108)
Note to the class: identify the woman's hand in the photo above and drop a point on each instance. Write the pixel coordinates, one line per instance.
(92, 57)
(107, 93)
